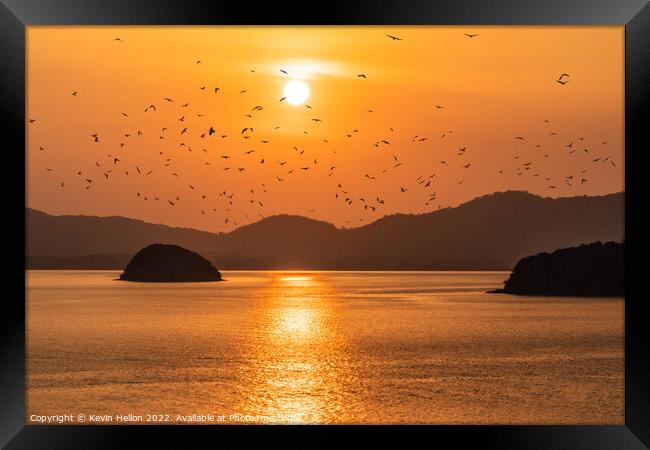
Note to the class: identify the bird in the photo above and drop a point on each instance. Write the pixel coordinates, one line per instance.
(118, 39)
(284, 71)
(394, 38)
(361, 75)
(211, 131)
(560, 78)
(75, 93)
(470, 35)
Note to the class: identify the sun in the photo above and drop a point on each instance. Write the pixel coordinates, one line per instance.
(296, 92)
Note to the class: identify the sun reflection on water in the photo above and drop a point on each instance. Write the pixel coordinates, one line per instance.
(297, 280)
(296, 323)
(298, 349)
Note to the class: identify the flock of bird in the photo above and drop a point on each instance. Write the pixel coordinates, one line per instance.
(187, 124)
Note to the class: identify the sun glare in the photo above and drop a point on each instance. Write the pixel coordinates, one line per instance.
(296, 92)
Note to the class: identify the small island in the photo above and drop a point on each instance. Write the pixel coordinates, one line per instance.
(594, 270)
(169, 263)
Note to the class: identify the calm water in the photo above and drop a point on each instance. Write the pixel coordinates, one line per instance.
(370, 347)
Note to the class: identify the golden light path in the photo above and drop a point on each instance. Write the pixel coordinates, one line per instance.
(294, 380)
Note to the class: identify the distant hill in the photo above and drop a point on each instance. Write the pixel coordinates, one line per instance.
(489, 232)
(594, 269)
(65, 236)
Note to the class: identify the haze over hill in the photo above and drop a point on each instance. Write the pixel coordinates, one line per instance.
(488, 233)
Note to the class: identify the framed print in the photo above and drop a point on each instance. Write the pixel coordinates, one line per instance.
(368, 214)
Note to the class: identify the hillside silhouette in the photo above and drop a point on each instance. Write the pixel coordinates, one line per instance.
(169, 263)
(488, 233)
(594, 269)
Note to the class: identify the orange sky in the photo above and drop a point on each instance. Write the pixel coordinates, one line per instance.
(493, 87)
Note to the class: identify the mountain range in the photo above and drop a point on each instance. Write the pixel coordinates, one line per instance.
(491, 232)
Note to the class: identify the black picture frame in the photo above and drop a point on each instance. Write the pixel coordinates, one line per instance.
(16, 15)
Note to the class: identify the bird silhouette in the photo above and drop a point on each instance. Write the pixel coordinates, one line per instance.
(561, 78)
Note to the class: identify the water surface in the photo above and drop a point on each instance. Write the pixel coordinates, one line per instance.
(321, 347)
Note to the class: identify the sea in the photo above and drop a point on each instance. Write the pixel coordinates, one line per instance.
(312, 347)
